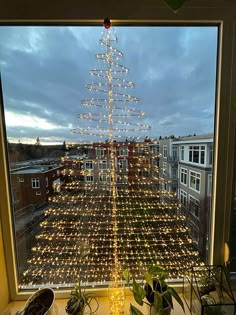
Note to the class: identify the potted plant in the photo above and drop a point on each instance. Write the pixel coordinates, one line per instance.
(41, 302)
(80, 299)
(155, 292)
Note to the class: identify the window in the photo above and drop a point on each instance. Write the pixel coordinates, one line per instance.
(103, 165)
(197, 154)
(35, 183)
(183, 176)
(86, 214)
(21, 180)
(194, 181)
(183, 197)
(210, 154)
(46, 181)
(99, 152)
(89, 178)
(175, 152)
(124, 151)
(104, 177)
(38, 193)
(194, 206)
(88, 165)
(123, 164)
(165, 152)
(182, 153)
(165, 172)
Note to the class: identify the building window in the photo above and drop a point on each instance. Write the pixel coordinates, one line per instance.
(35, 182)
(104, 178)
(183, 176)
(21, 180)
(182, 153)
(89, 178)
(175, 152)
(210, 154)
(88, 165)
(194, 181)
(123, 164)
(165, 168)
(38, 193)
(165, 151)
(46, 181)
(209, 185)
(99, 152)
(194, 206)
(102, 165)
(197, 154)
(124, 151)
(183, 197)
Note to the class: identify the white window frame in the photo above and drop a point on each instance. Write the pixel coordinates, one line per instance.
(164, 168)
(183, 196)
(199, 148)
(100, 151)
(35, 183)
(220, 13)
(21, 179)
(104, 178)
(165, 151)
(196, 176)
(192, 199)
(89, 178)
(182, 152)
(102, 165)
(124, 150)
(184, 172)
(88, 165)
(123, 164)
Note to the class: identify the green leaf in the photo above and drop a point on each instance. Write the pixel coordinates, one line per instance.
(155, 270)
(176, 296)
(234, 103)
(134, 311)
(175, 4)
(157, 301)
(138, 292)
(168, 297)
(126, 275)
(148, 278)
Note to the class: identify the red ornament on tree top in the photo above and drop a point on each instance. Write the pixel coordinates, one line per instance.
(107, 23)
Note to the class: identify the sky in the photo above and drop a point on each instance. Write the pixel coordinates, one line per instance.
(44, 71)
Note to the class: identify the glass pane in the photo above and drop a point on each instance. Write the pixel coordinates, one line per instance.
(95, 181)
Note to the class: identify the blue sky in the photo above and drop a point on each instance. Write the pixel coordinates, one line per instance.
(44, 71)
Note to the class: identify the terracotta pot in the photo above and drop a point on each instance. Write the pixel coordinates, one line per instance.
(41, 299)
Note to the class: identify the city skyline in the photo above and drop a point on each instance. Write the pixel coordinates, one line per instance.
(44, 71)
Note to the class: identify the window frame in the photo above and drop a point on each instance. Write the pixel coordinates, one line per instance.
(196, 12)
(184, 173)
(196, 176)
(35, 183)
(194, 201)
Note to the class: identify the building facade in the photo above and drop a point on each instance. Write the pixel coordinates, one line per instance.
(186, 165)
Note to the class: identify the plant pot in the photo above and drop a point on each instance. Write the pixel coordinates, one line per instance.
(40, 302)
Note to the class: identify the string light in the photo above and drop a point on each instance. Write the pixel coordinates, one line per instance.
(126, 220)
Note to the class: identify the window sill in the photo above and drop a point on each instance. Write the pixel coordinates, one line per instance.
(13, 307)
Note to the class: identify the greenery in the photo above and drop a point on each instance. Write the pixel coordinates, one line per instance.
(155, 292)
(79, 300)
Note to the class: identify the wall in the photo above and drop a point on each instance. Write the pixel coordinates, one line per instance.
(4, 296)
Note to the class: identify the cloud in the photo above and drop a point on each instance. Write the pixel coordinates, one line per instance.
(45, 69)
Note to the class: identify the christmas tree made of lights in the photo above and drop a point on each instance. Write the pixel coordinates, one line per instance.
(95, 229)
